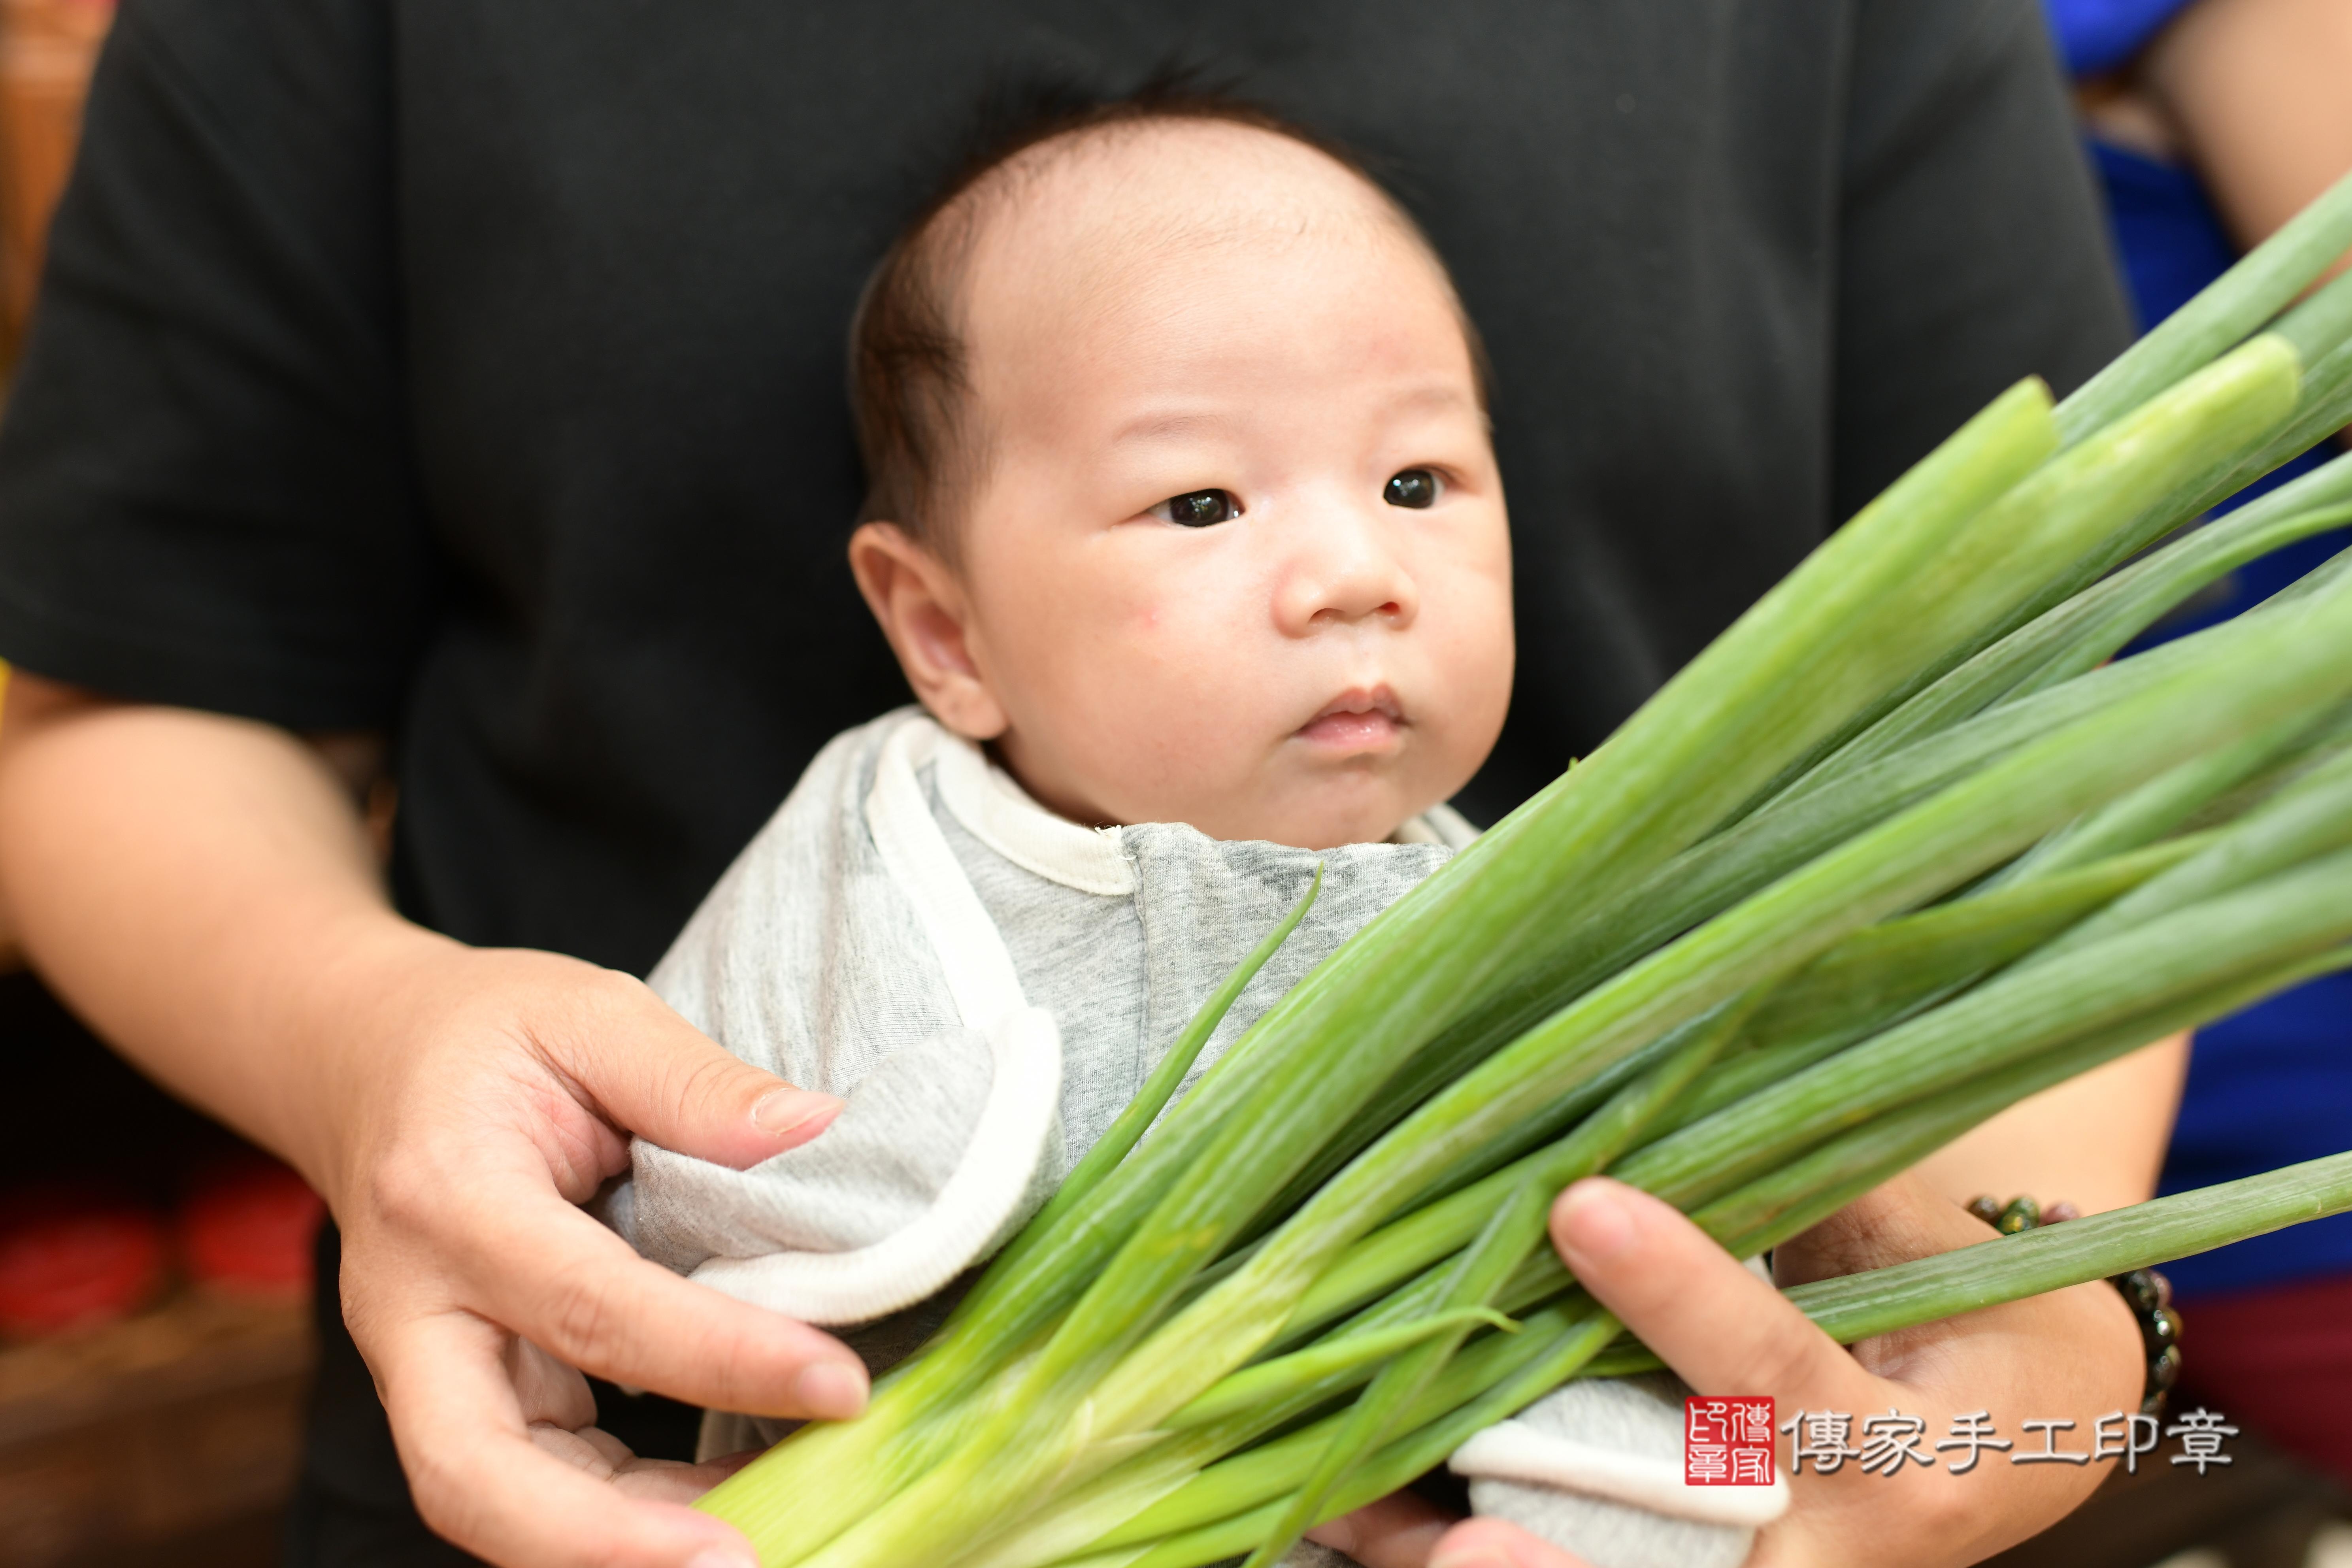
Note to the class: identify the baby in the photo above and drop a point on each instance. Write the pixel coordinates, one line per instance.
(1183, 496)
(1186, 528)
(1182, 511)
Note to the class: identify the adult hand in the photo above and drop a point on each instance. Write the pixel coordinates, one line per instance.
(203, 891)
(494, 1095)
(2071, 1354)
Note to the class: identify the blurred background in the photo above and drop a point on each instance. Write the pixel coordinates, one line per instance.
(156, 1272)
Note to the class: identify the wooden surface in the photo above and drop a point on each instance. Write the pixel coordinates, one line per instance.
(185, 1420)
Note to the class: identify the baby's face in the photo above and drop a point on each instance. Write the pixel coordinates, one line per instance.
(1240, 557)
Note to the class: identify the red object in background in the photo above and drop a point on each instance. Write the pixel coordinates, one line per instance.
(2276, 1359)
(247, 1227)
(73, 1258)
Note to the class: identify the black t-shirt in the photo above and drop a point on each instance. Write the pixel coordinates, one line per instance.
(472, 369)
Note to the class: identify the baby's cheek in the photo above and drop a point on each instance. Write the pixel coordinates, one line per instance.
(1186, 700)
(1472, 657)
(1131, 675)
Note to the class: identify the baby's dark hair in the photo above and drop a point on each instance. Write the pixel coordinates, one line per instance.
(909, 382)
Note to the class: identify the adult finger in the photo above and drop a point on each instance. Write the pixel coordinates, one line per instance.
(669, 1480)
(545, 1389)
(589, 1448)
(480, 1480)
(1398, 1532)
(1498, 1544)
(1723, 1329)
(598, 1453)
(651, 1072)
(548, 1271)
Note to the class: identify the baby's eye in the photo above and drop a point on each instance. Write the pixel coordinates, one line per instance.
(1415, 487)
(1199, 509)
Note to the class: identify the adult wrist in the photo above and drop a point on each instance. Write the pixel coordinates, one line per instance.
(353, 1002)
(2145, 1293)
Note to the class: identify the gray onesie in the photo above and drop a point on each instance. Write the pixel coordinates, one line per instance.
(986, 984)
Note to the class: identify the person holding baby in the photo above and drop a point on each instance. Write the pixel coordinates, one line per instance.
(1185, 501)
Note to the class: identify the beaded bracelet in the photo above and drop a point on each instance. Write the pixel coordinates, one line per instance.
(2148, 1293)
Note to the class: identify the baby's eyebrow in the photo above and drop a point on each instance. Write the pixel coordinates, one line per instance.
(1168, 422)
(1438, 394)
(1158, 424)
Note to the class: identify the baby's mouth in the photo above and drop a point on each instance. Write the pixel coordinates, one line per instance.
(1357, 721)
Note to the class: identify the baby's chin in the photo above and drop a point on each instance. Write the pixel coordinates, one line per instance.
(1359, 807)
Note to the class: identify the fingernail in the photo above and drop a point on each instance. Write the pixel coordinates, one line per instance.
(1594, 1225)
(783, 1110)
(722, 1557)
(831, 1389)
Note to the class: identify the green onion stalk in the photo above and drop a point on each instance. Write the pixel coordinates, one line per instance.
(1903, 846)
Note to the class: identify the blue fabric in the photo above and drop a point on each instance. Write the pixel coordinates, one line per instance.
(2268, 1087)
(2167, 235)
(2171, 244)
(2096, 35)
(2273, 1084)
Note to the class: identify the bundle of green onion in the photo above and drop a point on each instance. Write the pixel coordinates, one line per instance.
(1899, 849)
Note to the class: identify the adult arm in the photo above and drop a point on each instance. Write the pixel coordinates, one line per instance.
(201, 889)
(2255, 90)
(208, 507)
(2097, 1141)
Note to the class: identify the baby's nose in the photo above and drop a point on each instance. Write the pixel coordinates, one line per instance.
(1345, 573)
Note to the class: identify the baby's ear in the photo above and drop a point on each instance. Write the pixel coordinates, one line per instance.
(925, 614)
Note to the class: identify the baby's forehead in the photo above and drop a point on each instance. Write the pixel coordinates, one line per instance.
(1090, 200)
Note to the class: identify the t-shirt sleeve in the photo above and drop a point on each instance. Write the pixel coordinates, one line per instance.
(1973, 249)
(206, 496)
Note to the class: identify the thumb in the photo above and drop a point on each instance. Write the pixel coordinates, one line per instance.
(1720, 1327)
(657, 1076)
